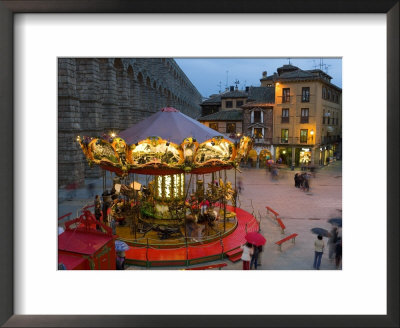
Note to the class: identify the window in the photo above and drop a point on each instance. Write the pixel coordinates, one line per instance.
(286, 95)
(304, 115)
(303, 136)
(284, 135)
(323, 93)
(329, 94)
(305, 94)
(214, 126)
(239, 103)
(329, 117)
(229, 104)
(230, 127)
(285, 115)
(258, 133)
(257, 116)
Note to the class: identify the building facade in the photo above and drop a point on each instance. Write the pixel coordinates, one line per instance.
(295, 115)
(224, 113)
(307, 115)
(103, 95)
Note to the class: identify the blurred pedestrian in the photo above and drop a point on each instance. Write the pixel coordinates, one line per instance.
(332, 242)
(338, 257)
(90, 189)
(97, 201)
(246, 255)
(240, 184)
(296, 180)
(306, 182)
(98, 214)
(71, 189)
(300, 179)
(319, 249)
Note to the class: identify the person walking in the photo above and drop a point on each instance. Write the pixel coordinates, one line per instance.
(319, 249)
(246, 255)
(338, 253)
(332, 242)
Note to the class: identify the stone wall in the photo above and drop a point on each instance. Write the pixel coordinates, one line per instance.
(100, 95)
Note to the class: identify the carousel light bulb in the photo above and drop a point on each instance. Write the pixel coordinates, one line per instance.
(78, 138)
(113, 135)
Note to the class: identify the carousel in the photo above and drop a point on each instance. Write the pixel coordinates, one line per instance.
(165, 182)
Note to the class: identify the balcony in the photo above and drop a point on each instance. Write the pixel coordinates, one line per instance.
(264, 141)
(304, 119)
(293, 141)
(330, 139)
(285, 119)
(286, 99)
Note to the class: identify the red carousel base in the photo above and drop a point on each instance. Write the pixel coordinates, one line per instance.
(216, 250)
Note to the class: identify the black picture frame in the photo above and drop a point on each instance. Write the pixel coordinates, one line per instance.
(10, 7)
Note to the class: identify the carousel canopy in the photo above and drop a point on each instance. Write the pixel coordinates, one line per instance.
(167, 142)
(169, 124)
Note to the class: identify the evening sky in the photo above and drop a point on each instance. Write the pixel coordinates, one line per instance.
(211, 75)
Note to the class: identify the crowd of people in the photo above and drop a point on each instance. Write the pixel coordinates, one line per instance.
(302, 181)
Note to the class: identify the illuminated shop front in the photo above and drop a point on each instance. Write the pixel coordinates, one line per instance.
(305, 156)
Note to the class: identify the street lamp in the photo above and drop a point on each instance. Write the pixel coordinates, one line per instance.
(312, 134)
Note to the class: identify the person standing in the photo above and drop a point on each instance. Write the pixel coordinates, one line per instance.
(255, 258)
(120, 260)
(319, 246)
(246, 255)
(296, 180)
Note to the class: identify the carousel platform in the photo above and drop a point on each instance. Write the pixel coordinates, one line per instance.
(149, 256)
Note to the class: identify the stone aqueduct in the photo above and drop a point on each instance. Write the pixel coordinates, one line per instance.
(100, 95)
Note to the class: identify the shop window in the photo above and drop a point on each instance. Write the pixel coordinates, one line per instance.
(258, 133)
(305, 94)
(257, 117)
(239, 103)
(285, 95)
(284, 135)
(303, 135)
(214, 126)
(229, 104)
(304, 115)
(230, 127)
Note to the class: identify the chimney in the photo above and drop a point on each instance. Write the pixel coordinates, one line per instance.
(232, 88)
(264, 74)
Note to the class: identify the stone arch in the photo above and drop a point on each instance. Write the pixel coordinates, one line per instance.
(140, 78)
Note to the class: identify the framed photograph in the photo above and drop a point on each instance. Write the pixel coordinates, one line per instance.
(34, 35)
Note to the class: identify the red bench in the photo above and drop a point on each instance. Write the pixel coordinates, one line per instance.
(212, 266)
(292, 237)
(269, 209)
(64, 216)
(283, 227)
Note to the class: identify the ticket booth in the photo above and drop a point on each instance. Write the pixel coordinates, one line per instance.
(86, 244)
